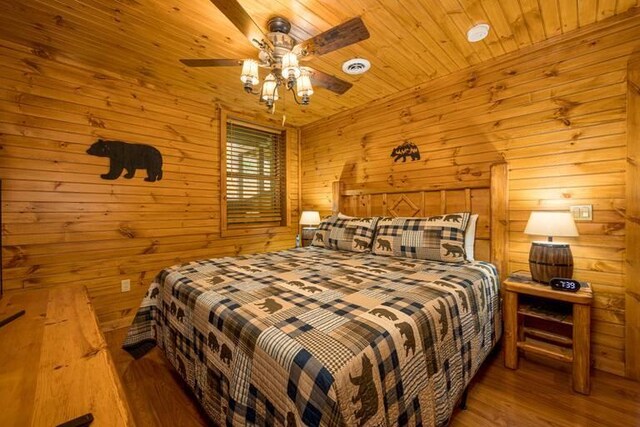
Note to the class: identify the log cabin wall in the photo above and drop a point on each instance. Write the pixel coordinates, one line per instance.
(556, 112)
(64, 224)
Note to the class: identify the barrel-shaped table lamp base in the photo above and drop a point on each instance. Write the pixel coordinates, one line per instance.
(549, 259)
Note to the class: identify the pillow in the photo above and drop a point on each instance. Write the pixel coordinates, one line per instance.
(345, 234)
(343, 216)
(436, 238)
(470, 237)
(322, 231)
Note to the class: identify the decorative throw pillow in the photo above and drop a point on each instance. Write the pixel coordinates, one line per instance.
(436, 238)
(345, 234)
(322, 231)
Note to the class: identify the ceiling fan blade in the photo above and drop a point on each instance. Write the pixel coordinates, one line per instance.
(211, 62)
(327, 81)
(342, 35)
(241, 19)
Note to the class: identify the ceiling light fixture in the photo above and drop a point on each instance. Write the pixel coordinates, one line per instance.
(285, 70)
(281, 55)
(478, 32)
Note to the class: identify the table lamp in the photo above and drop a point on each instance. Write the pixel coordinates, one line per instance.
(309, 218)
(550, 259)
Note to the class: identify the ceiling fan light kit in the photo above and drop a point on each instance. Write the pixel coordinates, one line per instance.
(280, 54)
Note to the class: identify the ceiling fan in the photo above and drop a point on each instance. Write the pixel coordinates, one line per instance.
(281, 54)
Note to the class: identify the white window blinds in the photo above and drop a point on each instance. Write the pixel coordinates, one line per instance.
(256, 168)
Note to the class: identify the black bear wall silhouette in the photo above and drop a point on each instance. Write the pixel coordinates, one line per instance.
(123, 155)
(408, 149)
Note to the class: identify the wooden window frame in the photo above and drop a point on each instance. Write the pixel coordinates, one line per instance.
(249, 230)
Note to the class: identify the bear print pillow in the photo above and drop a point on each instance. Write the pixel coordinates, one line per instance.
(322, 232)
(345, 234)
(435, 238)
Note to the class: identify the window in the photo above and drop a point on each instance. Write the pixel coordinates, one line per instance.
(254, 182)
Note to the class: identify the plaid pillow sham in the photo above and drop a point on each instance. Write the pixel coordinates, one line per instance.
(436, 238)
(345, 234)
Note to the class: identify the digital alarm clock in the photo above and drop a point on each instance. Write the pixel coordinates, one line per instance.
(568, 285)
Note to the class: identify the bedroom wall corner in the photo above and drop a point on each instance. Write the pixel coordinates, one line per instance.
(555, 112)
(64, 224)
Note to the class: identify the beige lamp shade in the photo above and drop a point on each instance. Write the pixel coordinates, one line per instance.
(551, 224)
(310, 218)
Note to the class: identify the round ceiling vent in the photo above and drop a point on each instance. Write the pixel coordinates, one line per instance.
(356, 66)
(478, 32)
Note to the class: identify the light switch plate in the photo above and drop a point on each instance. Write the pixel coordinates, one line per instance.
(125, 285)
(582, 212)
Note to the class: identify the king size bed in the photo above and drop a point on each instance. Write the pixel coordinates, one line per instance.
(384, 321)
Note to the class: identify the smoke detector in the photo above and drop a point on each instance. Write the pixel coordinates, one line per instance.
(356, 66)
(478, 32)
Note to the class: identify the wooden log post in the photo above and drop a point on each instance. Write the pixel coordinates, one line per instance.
(336, 196)
(510, 334)
(581, 348)
(500, 218)
(632, 222)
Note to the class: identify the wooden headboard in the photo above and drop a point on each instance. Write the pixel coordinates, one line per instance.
(488, 198)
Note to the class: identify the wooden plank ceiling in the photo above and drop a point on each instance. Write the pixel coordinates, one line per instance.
(412, 41)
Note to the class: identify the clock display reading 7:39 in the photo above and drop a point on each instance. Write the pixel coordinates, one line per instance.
(568, 285)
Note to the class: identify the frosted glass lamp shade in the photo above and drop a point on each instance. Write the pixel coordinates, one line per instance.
(290, 66)
(310, 218)
(250, 72)
(303, 84)
(270, 88)
(551, 224)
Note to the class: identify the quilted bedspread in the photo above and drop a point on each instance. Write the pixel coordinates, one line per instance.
(312, 336)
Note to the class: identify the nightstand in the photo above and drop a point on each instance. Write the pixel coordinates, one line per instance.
(549, 323)
(307, 236)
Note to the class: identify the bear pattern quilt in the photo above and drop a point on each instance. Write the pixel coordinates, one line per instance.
(310, 336)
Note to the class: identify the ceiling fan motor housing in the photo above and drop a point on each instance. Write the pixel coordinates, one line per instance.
(282, 44)
(279, 37)
(278, 24)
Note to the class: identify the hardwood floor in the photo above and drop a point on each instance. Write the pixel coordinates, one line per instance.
(534, 395)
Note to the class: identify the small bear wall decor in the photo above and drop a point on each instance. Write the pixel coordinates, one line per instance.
(407, 149)
(123, 155)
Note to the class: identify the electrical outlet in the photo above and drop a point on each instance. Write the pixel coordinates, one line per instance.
(125, 285)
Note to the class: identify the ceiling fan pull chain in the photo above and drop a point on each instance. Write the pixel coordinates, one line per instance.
(284, 106)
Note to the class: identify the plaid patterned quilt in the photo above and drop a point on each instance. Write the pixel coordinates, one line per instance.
(313, 337)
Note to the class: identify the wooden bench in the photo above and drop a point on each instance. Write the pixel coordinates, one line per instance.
(54, 363)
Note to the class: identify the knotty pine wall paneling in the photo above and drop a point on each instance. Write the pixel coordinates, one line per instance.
(64, 224)
(556, 113)
(632, 260)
